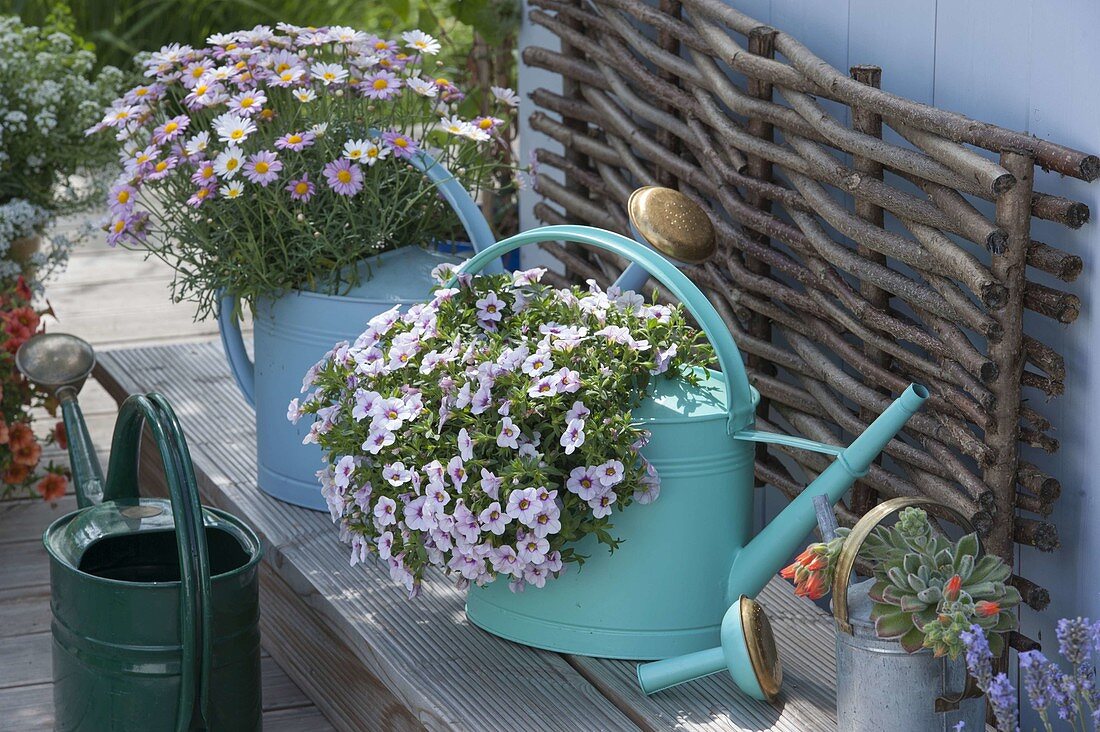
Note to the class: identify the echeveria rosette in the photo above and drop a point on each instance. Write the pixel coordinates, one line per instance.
(928, 589)
(279, 159)
(489, 430)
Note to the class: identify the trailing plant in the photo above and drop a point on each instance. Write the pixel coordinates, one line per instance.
(928, 590)
(279, 159)
(489, 430)
(1071, 696)
(20, 447)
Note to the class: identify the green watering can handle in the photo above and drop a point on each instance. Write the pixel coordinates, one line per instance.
(738, 393)
(196, 612)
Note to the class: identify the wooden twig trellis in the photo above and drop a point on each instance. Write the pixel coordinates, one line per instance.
(835, 306)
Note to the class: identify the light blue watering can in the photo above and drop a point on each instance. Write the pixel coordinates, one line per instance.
(293, 330)
(683, 578)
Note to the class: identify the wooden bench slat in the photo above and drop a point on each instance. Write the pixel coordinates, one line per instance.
(424, 653)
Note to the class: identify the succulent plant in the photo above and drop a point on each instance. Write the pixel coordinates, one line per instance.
(929, 589)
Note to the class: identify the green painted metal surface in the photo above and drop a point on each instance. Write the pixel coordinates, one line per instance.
(155, 602)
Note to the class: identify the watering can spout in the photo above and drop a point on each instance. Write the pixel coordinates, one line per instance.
(758, 562)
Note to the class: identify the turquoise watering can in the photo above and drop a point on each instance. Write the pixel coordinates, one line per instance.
(683, 578)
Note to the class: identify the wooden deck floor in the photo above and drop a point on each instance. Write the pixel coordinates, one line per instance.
(110, 298)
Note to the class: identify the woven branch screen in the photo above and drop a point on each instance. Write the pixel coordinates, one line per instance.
(848, 264)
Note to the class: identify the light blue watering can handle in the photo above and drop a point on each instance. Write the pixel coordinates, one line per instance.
(469, 215)
(738, 392)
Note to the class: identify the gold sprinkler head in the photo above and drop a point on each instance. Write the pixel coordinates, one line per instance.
(672, 223)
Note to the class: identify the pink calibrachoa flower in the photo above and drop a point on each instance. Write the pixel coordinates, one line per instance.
(585, 482)
(296, 141)
(493, 519)
(263, 168)
(508, 435)
(402, 145)
(524, 505)
(344, 177)
(301, 189)
(490, 307)
(611, 473)
(573, 437)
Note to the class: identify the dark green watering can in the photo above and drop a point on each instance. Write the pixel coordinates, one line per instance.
(155, 602)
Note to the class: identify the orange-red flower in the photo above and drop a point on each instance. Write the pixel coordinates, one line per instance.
(24, 317)
(809, 572)
(52, 486)
(60, 436)
(25, 449)
(5, 434)
(15, 474)
(22, 290)
(987, 609)
(952, 588)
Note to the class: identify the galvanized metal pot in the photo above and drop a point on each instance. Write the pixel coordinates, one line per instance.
(879, 685)
(293, 331)
(155, 602)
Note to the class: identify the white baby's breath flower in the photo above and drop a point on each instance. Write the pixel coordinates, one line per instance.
(305, 95)
(421, 42)
(505, 96)
(234, 189)
(423, 87)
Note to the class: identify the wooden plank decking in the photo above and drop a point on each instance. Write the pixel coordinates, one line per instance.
(371, 659)
(109, 298)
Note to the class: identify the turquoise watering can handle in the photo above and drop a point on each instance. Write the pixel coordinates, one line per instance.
(738, 392)
(469, 215)
(196, 613)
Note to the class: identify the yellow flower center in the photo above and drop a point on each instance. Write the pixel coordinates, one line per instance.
(232, 164)
(202, 193)
(236, 134)
(200, 89)
(141, 91)
(380, 84)
(344, 176)
(380, 45)
(240, 65)
(267, 114)
(122, 114)
(282, 67)
(485, 123)
(247, 102)
(261, 167)
(171, 127)
(372, 152)
(207, 172)
(294, 139)
(403, 56)
(442, 82)
(355, 154)
(385, 63)
(162, 166)
(123, 196)
(119, 226)
(301, 188)
(400, 142)
(230, 46)
(329, 76)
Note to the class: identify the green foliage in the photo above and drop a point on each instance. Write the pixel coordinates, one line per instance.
(929, 589)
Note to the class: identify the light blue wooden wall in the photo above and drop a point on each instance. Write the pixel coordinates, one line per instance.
(1030, 65)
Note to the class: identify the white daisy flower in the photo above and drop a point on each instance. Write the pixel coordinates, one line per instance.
(423, 87)
(374, 152)
(343, 34)
(304, 95)
(221, 39)
(233, 128)
(219, 73)
(197, 144)
(228, 162)
(329, 73)
(356, 149)
(289, 76)
(232, 190)
(319, 129)
(505, 96)
(247, 102)
(421, 41)
(455, 126)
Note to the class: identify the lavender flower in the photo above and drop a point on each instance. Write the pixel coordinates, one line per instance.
(344, 177)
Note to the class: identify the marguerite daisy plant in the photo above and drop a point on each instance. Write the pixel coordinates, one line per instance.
(278, 159)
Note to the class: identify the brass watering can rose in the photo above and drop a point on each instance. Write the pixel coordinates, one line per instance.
(672, 223)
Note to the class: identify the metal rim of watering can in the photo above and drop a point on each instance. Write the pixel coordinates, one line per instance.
(847, 560)
(760, 641)
(74, 378)
(674, 224)
(739, 394)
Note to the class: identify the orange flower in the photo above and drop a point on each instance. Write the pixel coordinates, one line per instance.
(814, 587)
(60, 436)
(5, 434)
(26, 454)
(24, 317)
(52, 486)
(789, 571)
(987, 609)
(22, 290)
(952, 588)
(16, 474)
(20, 434)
